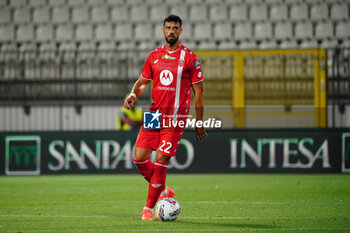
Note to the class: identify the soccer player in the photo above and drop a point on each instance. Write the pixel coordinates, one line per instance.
(174, 70)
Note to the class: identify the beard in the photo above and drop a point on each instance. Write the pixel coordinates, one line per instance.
(172, 41)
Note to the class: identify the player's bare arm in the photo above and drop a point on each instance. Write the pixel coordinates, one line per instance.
(199, 106)
(137, 90)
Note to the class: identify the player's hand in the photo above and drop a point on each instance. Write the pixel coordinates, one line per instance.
(201, 133)
(129, 102)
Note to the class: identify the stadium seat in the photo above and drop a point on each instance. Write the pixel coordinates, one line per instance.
(227, 45)
(343, 30)
(3, 3)
(190, 2)
(143, 32)
(293, 1)
(340, 11)
(329, 44)
(84, 32)
(187, 31)
(80, 14)
(288, 44)
(207, 45)
(135, 2)
(17, 3)
(95, 2)
(243, 31)
(222, 31)
(319, 12)
(60, 14)
(271, 2)
(87, 46)
(119, 13)
(76, 2)
(324, 30)
(41, 15)
(248, 44)
(268, 44)
(180, 10)
(64, 32)
(309, 44)
(5, 15)
(22, 15)
(299, 12)
(139, 13)
(258, 12)
(154, 2)
(99, 14)
(198, 12)
(158, 12)
(283, 30)
(218, 13)
(214, 1)
(304, 30)
(263, 30)
(279, 12)
(56, 3)
(25, 33)
(107, 46)
(158, 34)
(115, 2)
(123, 32)
(238, 13)
(44, 33)
(126, 45)
(7, 33)
(146, 45)
(37, 3)
(202, 31)
(104, 32)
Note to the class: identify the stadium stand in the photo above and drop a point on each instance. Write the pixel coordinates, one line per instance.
(60, 31)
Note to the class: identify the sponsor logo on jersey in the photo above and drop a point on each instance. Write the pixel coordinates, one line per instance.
(166, 77)
(167, 57)
(199, 74)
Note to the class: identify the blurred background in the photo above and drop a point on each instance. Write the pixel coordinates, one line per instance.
(68, 64)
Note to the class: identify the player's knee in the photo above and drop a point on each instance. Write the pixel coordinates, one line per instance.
(163, 158)
(141, 154)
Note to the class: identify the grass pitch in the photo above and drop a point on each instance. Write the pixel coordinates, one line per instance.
(209, 203)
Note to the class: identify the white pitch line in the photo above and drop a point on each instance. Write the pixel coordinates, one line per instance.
(192, 230)
(53, 216)
(213, 217)
(262, 203)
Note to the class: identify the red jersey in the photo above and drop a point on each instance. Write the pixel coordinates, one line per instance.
(173, 73)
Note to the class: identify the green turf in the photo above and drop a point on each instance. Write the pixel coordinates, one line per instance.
(209, 203)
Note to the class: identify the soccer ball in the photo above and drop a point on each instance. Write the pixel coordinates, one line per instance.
(168, 209)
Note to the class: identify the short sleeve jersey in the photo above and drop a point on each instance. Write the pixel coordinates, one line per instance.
(173, 73)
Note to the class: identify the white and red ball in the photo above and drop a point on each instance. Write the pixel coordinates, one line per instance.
(168, 209)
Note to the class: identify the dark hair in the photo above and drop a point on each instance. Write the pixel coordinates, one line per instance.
(173, 18)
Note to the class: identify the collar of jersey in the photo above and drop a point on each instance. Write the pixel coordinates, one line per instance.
(170, 52)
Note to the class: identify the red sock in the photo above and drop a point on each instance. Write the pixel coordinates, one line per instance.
(157, 183)
(145, 168)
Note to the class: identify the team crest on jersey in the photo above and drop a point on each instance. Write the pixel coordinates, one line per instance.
(166, 77)
(167, 57)
(181, 62)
